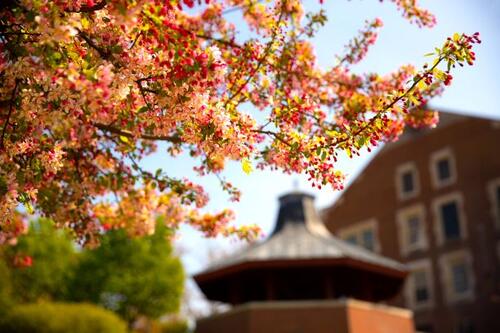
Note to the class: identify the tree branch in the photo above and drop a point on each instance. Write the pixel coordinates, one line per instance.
(11, 108)
(260, 62)
(352, 136)
(114, 130)
(105, 54)
(87, 9)
(274, 134)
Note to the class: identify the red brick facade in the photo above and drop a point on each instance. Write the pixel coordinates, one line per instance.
(334, 316)
(452, 240)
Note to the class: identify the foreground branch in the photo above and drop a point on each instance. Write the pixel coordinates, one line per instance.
(114, 130)
(89, 9)
(11, 108)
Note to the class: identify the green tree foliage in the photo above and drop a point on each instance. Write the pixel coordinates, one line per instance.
(61, 318)
(53, 258)
(5, 287)
(131, 276)
(174, 326)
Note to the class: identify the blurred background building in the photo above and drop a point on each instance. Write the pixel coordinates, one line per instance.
(301, 279)
(432, 201)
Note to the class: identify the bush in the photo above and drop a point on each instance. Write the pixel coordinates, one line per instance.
(5, 288)
(61, 318)
(179, 326)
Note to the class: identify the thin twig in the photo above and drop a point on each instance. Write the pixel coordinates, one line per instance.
(276, 135)
(105, 54)
(89, 9)
(261, 61)
(387, 107)
(114, 130)
(11, 108)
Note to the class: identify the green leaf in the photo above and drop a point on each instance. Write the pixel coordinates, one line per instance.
(323, 155)
(318, 151)
(85, 22)
(246, 166)
(439, 74)
(116, 49)
(361, 141)
(332, 133)
(29, 208)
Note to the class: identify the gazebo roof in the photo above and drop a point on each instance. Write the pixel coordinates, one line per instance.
(300, 236)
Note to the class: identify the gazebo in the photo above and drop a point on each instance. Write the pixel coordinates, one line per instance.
(300, 263)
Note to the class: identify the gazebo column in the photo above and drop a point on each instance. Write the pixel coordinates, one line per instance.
(270, 287)
(328, 287)
(235, 293)
(366, 284)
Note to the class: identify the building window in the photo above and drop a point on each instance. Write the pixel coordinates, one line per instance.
(362, 234)
(419, 287)
(411, 229)
(414, 225)
(368, 239)
(494, 195)
(407, 181)
(443, 171)
(352, 239)
(449, 218)
(458, 279)
(465, 326)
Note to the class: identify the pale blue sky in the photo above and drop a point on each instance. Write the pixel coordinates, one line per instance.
(474, 91)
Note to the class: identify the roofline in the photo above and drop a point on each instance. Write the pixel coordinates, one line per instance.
(381, 149)
(287, 263)
(465, 114)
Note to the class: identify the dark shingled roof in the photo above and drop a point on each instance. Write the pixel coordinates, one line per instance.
(299, 234)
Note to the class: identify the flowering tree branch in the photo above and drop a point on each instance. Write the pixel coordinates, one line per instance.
(103, 82)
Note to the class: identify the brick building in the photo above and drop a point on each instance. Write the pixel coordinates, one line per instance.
(432, 201)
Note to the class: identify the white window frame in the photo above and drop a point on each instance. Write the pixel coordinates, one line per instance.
(437, 156)
(357, 231)
(445, 263)
(409, 288)
(402, 217)
(494, 209)
(400, 171)
(438, 221)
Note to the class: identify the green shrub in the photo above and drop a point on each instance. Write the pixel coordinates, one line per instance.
(61, 318)
(5, 288)
(174, 326)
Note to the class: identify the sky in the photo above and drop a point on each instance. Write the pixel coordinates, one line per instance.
(474, 91)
